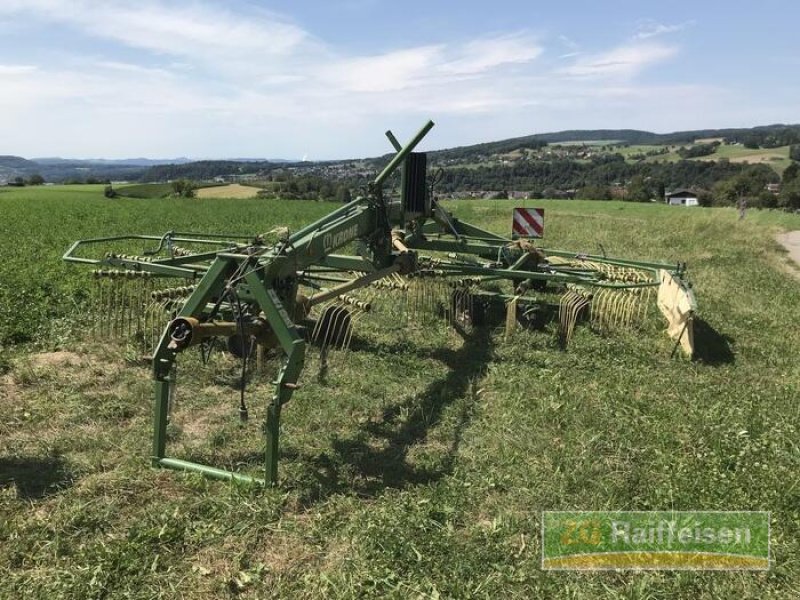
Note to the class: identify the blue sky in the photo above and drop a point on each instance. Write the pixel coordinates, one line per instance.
(320, 80)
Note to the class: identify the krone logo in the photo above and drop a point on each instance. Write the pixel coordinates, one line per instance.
(334, 240)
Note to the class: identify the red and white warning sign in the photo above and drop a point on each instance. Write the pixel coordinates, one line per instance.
(528, 222)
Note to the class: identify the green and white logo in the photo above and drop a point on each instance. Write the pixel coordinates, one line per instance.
(693, 540)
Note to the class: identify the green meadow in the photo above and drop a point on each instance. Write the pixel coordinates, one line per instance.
(419, 463)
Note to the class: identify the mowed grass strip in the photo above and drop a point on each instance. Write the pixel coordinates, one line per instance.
(232, 190)
(419, 465)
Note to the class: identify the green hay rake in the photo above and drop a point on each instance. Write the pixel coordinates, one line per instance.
(285, 291)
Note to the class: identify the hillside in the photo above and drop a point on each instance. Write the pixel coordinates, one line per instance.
(16, 162)
(565, 159)
(766, 135)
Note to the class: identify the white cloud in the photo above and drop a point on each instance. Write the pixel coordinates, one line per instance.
(482, 55)
(384, 72)
(624, 61)
(16, 69)
(648, 29)
(203, 80)
(429, 66)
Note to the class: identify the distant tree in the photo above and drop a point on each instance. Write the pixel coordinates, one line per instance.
(749, 183)
(751, 142)
(764, 200)
(109, 191)
(661, 191)
(639, 190)
(791, 173)
(343, 194)
(594, 192)
(183, 188)
(790, 195)
(35, 179)
(18, 181)
(794, 152)
(705, 198)
(698, 150)
(326, 191)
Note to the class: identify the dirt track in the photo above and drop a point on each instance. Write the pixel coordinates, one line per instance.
(791, 241)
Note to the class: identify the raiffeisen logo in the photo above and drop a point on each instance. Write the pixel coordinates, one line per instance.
(671, 532)
(655, 540)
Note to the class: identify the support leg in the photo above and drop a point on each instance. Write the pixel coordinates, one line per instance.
(160, 411)
(272, 430)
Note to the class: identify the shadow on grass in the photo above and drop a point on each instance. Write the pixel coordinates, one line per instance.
(35, 477)
(375, 456)
(712, 347)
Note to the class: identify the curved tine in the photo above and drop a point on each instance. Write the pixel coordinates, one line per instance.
(333, 328)
(121, 308)
(344, 327)
(608, 311)
(97, 290)
(610, 308)
(354, 318)
(564, 313)
(580, 304)
(633, 304)
(426, 299)
(146, 301)
(131, 290)
(332, 337)
(459, 305)
(602, 309)
(627, 299)
(577, 307)
(571, 316)
(624, 308)
(565, 310)
(564, 316)
(110, 298)
(467, 306)
(594, 309)
(135, 292)
(122, 305)
(617, 310)
(325, 329)
(561, 302)
(318, 325)
(648, 300)
(613, 309)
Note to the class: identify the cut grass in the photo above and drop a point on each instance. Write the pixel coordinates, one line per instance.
(777, 158)
(420, 465)
(233, 190)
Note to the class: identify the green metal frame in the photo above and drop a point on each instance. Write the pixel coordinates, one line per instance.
(268, 278)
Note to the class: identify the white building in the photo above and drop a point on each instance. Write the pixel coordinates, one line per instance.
(681, 198)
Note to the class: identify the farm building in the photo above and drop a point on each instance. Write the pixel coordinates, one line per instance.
(681, 198)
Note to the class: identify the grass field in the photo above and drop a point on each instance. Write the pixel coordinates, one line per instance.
(777, 158)
(145, 190)
(420, 465)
